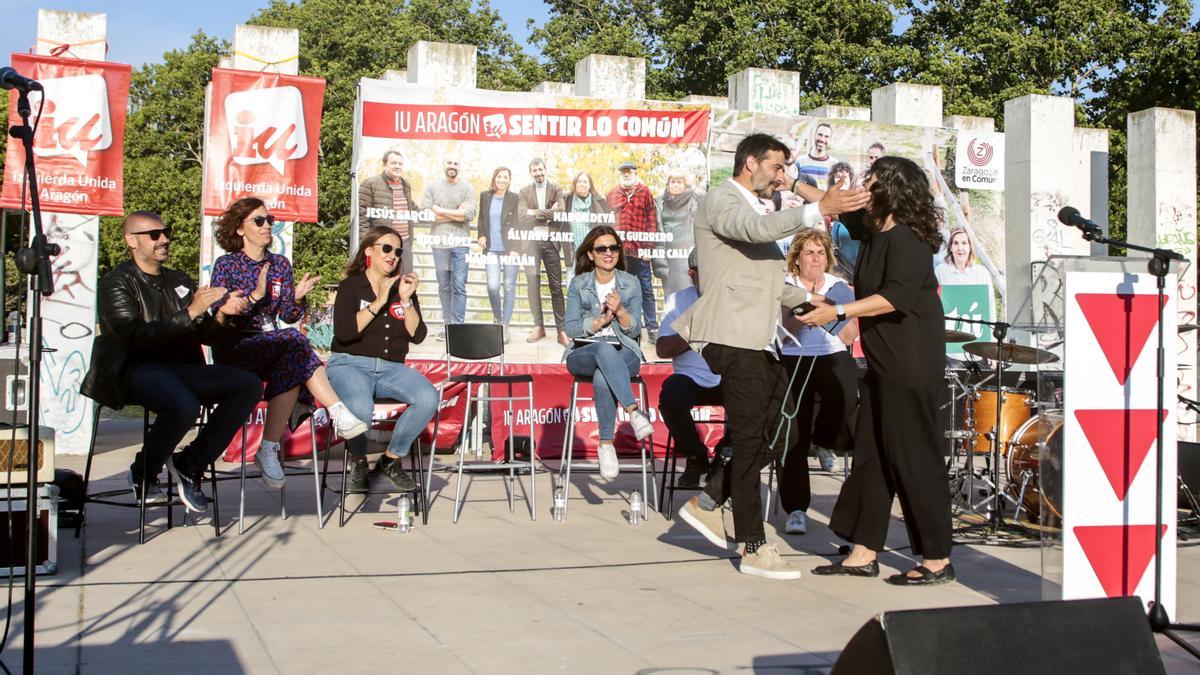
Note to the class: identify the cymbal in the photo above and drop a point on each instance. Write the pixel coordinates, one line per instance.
(1009, 353)
(958, 336)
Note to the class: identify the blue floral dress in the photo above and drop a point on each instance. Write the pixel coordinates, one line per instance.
(281, 357)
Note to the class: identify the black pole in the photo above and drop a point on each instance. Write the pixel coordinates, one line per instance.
(34, 262)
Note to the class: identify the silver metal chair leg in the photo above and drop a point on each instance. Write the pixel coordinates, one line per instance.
(532, 457)
(437, 418)
(312, 436)
(568, 450)
(462, 455)
(242, 486)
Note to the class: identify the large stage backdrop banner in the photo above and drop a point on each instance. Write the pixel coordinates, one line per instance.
(80, 136)
(263, 135)
(825, 149)
(450, 150)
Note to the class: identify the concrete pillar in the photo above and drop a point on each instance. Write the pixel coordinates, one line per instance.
(615, 77)
(556, 88)
(717, 102)
(84, 32)
(1038, 152)
(1089, 178)
(969, 123)
(69, 314)
(266, 48)
(443, 64)
(776, 92)
(1162, 211)
(917, 105)
(841, 112)
(395, 76)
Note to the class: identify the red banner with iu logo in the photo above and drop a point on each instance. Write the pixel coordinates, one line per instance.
(262, 140)
(80, 137)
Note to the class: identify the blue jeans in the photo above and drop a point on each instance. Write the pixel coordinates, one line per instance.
(450, 265)
(359, 380)
(174, 392)
(502, 311)
(610, 369)
(643, 270)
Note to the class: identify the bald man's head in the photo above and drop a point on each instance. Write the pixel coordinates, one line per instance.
(149, 241)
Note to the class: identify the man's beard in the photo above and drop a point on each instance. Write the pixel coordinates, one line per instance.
(629, 182)
(451, 173)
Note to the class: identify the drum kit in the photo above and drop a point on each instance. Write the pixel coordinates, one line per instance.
(1015, 436)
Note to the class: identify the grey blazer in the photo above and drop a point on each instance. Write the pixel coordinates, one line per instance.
(741, 270)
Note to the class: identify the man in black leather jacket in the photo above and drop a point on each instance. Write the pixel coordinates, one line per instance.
(152, 323)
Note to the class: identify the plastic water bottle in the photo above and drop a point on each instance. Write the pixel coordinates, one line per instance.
(404, 517)
(560, 504)
(635, 508)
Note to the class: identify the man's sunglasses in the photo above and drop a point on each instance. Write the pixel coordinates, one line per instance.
(607, 249)
(259, 220)
(388, 248)
(155, 234)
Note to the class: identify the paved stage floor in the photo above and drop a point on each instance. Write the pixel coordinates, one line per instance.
(495, 593)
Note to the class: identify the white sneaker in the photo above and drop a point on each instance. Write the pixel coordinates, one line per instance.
(827, 459)
(267, 461)
(609, 466)
(797, 523)
(345, 423)
(642, 426)
(767, 563)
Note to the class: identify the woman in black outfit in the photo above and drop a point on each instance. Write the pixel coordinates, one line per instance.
(897, 449)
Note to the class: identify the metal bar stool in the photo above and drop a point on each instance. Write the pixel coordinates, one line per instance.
(415, 460)
(109, 497)
(666, 492)
(287, 471)
(484, 342)
(646, 446)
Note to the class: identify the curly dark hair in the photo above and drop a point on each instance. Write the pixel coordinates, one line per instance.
(901, 190)
(358, 264)
(227, 225)
(583, 263)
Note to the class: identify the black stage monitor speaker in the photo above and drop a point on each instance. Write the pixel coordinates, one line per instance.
(1077, 636)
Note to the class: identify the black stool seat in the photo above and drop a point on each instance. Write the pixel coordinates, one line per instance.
(492, 379)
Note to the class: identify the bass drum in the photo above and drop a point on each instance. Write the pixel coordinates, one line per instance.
(1041, 475)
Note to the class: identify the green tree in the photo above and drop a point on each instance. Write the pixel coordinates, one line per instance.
(842, 49)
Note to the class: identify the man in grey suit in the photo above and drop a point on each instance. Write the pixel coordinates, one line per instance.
(733, 325)
(536, 204)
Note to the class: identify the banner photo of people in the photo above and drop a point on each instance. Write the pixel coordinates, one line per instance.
(492, 193)
(80, 137)
(263, 133)
(970, 267)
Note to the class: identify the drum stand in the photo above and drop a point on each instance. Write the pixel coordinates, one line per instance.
(995, 522)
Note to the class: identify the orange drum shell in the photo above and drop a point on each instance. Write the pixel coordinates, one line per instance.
(1016, 409)
(1024, 455)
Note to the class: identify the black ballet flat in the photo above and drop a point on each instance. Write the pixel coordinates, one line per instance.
(837, 569)
(927, 578)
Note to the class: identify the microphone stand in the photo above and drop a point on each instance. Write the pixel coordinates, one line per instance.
(33, 261)
(1159, 265)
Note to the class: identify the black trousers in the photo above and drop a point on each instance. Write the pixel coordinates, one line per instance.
(548, 253)
(175, 392)
(834, 379)
(897, 452)
(753, 384)
(679, 395)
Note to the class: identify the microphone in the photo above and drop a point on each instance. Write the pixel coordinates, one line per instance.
(11, 79)
(1069, 215)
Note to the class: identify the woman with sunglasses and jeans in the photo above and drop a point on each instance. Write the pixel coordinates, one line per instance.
(375, 317)
(281, 356)
(603, 305)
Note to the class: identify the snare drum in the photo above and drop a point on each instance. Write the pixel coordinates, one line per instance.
(1016, 406)
(1044, 484)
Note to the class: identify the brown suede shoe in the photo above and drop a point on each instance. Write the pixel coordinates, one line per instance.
(536, 334)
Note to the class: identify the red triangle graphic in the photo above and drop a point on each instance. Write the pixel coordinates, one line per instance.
(1122, 324)
(1119, 554)
(1121, 439)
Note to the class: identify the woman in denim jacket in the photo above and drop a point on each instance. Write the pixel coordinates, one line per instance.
(604, 304)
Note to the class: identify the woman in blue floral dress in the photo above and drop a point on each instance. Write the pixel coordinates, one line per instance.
(280, 355)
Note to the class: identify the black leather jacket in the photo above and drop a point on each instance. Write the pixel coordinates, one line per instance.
(143, 319)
